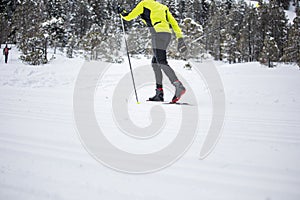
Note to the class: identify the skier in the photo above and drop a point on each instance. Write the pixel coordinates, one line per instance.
(159, 19)
(6, 52)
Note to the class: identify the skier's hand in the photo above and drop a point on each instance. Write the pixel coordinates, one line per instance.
(181, 45)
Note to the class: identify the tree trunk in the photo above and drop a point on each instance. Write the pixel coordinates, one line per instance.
(45, 49)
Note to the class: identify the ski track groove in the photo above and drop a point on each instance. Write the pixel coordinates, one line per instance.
(52, 164)
(52, 153)
(230, 176)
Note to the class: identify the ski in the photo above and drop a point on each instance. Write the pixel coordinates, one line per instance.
(179, 103)
(157, 101)
(170, 103)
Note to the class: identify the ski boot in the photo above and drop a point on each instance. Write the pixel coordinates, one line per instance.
(159, 96)
(180, 90)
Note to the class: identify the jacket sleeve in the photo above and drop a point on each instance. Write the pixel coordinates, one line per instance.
(138, 10)
(174, 25)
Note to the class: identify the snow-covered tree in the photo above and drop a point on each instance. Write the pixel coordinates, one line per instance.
(190, 8)
(278, 25)
(270, 51)
(292, 49)
(172, 5)
(193, 31)
(30, 39)
(182, 9)
(139, 39)
(284, 4)
(214, 30)
(232, 30)
(101, 44)
(201, 11)
(55, 30)
(247, 34)
(231, 34)
(7, 9)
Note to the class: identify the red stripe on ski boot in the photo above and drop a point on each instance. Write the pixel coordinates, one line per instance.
(178, 98)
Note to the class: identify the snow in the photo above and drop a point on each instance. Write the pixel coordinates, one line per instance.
(253, 3)
(41, 156)
(291, 13)
(52, 21)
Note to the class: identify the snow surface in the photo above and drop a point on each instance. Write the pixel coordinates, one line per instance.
(41, 157)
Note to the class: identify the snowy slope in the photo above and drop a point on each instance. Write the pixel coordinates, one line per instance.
(41, 156)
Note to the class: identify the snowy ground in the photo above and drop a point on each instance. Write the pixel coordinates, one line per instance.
(41, 156)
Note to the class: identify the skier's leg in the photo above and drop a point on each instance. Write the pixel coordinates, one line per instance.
(157, 72)
(163, 41)
(159, 96)
(6, 58)
(162, 60)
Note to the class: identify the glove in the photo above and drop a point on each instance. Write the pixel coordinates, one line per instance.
(181, 45)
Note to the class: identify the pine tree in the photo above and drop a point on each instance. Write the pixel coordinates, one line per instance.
(248, 34)
(139, 38)
(55, 23)
(190, 11)
(212, 31)
(182, 9)
(284, 4)
(193, 30)
(277, 25)
(229, 30)
(3, 23)
(30, 39)
(202, 12)
(270, 51)
(216, 29)
(7, 9)
(172, 5)
(70, 26)
(297, 10)
(292, 50)
(231, 36)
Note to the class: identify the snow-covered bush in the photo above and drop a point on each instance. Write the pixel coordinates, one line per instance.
(32, 51)
(194, 31)
(100, 44)
(270, 52)
(55, 29)
(139, 40)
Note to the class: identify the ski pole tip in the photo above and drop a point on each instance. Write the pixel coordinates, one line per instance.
(138, 102)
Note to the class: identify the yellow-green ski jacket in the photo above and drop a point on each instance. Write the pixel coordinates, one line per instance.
(155, 15)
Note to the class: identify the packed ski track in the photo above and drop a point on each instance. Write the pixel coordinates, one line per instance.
(256, 158)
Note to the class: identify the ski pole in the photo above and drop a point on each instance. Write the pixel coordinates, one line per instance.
(130, 66)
